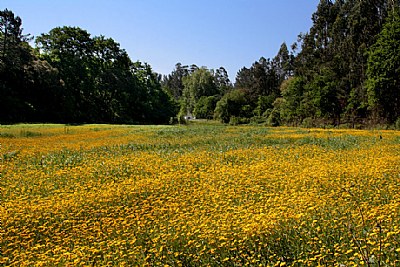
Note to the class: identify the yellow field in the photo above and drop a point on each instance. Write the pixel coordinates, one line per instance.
(198, 195)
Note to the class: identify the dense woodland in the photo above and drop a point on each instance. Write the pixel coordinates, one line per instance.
(344, 70)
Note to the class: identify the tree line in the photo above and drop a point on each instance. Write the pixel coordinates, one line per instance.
(344, 70)
(72, 77)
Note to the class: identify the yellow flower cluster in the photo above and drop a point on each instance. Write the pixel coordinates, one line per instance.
(198, 195)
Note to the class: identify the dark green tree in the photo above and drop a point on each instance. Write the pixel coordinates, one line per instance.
(101, 83)
(45, 93)
(14, 48)
(205, 106)
(383, 83)
(323, 89)
(234, 104)
(355, 31)
(283, 62)
(222, 80)
(244, 78)
(111, 72)
(71, 51)
(260, 80)
(173, 82)
(15, 55)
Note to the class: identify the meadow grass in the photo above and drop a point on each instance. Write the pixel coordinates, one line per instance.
(198, 195)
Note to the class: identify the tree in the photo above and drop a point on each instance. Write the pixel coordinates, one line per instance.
(14, 50)
(335, 51)
(200, 83)
(232, 104)
(15, 55)
(45, 93)
(383, 83)
(260, 80)
(323, 88)
(205, 106)
(174, 81)
(260, 84)
(111, 75)
(155, 104)
(292, 93)
(315, 48)
(222, 80)
(101, 83)
(284, 63)
(71, 51)
(244, 78)
(355, 31)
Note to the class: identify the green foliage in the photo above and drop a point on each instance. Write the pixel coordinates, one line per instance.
(291, 105)
(342, 142)
(244, 78)
(284, 63)
(397, 124)
(174, 81)
(199, 84)
(262, 79)
(7, 135)
(264, 103)
(232, 104)
(222, 81)
(234, 120)
(308, 123)
(24, 133)
(324, 91)
(13, 49)
(383, 72)
(204, 108)
(72, 77)
(261, 82)
(15, 55)
(333, 58)
(274, 118)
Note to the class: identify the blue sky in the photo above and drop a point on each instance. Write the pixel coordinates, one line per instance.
(212, 33)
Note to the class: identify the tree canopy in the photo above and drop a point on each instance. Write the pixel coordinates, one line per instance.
(383, 82)
(72, 77)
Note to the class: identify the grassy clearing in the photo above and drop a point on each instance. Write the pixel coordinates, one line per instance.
(198, 195)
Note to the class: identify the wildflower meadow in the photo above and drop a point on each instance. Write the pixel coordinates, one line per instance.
(198, 195)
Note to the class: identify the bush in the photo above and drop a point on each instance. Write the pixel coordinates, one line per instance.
(205, 106)
(173, 120)
(397, 124)
(307, 123)
(233, 104)
(234, 120)
(258, 120)
(274, 118)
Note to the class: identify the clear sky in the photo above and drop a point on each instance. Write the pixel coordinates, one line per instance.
(212, 33)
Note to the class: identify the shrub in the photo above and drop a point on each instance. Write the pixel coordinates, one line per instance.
(397, 124)
(307, 122)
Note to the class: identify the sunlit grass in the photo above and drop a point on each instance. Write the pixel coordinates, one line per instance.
(198, 195)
